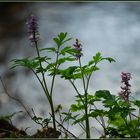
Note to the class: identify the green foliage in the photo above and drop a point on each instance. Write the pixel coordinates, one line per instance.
(61, 39)
(117, 111)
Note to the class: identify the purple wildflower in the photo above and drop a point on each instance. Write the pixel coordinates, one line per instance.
(125, 92)
(33, 29)
(77, 46)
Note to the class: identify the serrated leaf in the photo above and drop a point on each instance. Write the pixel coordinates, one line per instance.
(97, 57)
(40, 70)
(64, 59)
(109, 102)
(62, 36)
(74, 108)
(57, 41)
(103, 94)
(67, 49)
(109, 59)
(97, 112)
(77, 76)
(21, 62)
(94, 68)
(91, 62)
(52, 49)
(69, 72)
(67, 40)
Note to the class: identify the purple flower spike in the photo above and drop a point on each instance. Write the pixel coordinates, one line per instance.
(33, 29)
(125, 92)
(77, 46)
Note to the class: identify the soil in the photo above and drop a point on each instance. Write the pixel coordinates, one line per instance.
(8, 130)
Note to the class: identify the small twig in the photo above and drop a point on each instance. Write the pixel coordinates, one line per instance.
(135, 116)
(101, 118)
(7, 93)
(65, 128)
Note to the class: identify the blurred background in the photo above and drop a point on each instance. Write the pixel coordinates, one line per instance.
(113, 28)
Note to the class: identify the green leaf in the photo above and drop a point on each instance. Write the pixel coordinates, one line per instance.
(64, 59)
(21, 62)
(94, 68)
(83, 118)
(74, 108)
(67, 40)
(69, 116)
(61, 39)
(92, 100)
(103, 94)
(62, 36)
(77, 107)
(69, 72)
(57, 41)
(137, 103)
(40, 70)
(58, 108)
(97, 112)
(76, 76)
(66, 49)
(69, 50)
(97, 57)
(50, 66)
(109, 103)
(88, 70)
(52, 49)
(91, 62)
(109, 59)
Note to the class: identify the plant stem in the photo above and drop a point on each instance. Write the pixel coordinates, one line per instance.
(40, 82)
(43, 76)
(86, 103)
(46, 88)
(53, 113)
(77, 91)
(52, 85)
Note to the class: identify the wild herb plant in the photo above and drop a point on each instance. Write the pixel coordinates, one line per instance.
(44, 66)
(122, 121)
(83, 72)
(122, 112)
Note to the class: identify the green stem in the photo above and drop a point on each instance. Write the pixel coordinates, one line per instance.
(40, 82)
(46, 88)
(77, 91)
(43, 76)
(88, 79)
(53, 112)
(49, 98)
(86, 103)
(52, 85)
(101, 118)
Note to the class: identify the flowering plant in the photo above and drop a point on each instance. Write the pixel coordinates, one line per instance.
(118, 109)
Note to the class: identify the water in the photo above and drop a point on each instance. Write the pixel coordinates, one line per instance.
(112, 28)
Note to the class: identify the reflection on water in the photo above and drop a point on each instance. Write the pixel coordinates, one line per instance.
(111, 28)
